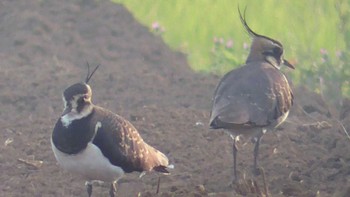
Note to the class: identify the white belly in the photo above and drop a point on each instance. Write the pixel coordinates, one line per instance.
(90, 164)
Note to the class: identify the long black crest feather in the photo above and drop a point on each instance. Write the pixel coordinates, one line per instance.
(250, 31)
(244, 22)
(88, 76)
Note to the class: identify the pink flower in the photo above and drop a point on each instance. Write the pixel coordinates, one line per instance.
(216, 40)
(323, 51)
(155, 26)
(229, 44)
(221, 40)
(245, 46)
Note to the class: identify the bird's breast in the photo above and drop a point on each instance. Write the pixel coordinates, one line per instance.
(90, 164)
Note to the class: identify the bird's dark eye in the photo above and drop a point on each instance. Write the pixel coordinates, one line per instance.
(277, 51)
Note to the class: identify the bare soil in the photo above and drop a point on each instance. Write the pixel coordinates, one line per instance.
(44, 47)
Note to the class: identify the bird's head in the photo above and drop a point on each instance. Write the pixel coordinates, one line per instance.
(77, 100)
(264, 48)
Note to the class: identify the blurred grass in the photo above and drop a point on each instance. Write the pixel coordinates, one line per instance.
(304, 28)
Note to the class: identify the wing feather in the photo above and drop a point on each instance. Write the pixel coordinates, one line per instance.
(250, 95)
(125, 146)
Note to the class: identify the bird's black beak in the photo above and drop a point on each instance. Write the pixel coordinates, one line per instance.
(285, 62)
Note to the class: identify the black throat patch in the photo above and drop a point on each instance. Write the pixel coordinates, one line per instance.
(75, 137)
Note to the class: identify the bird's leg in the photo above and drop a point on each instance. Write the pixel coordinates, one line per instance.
(158, 185)
(113, 189)
(256, 171)
(234, 148)
(88, 186)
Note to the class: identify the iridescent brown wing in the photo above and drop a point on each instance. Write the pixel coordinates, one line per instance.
(119, 141)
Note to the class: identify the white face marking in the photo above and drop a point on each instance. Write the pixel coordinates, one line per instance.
(64, 101)
(74, 115)
(273, 61)
(91, 164)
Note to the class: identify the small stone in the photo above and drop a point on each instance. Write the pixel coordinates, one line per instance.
(201, 189)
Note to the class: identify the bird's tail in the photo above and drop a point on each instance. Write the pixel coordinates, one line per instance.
(158, 161)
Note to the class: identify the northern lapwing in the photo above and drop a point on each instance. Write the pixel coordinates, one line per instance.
(254, 98)
(98, 144)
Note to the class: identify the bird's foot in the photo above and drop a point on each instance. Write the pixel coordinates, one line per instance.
(235, 180)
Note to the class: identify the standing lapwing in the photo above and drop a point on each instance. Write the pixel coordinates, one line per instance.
(254, 98)
(99, 145)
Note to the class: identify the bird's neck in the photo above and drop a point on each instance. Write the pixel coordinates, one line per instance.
(255, 57)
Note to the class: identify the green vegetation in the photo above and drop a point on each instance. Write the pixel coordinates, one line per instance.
(315, 34)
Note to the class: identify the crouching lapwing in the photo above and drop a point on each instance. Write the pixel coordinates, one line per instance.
(99, 145)
(253, 98)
